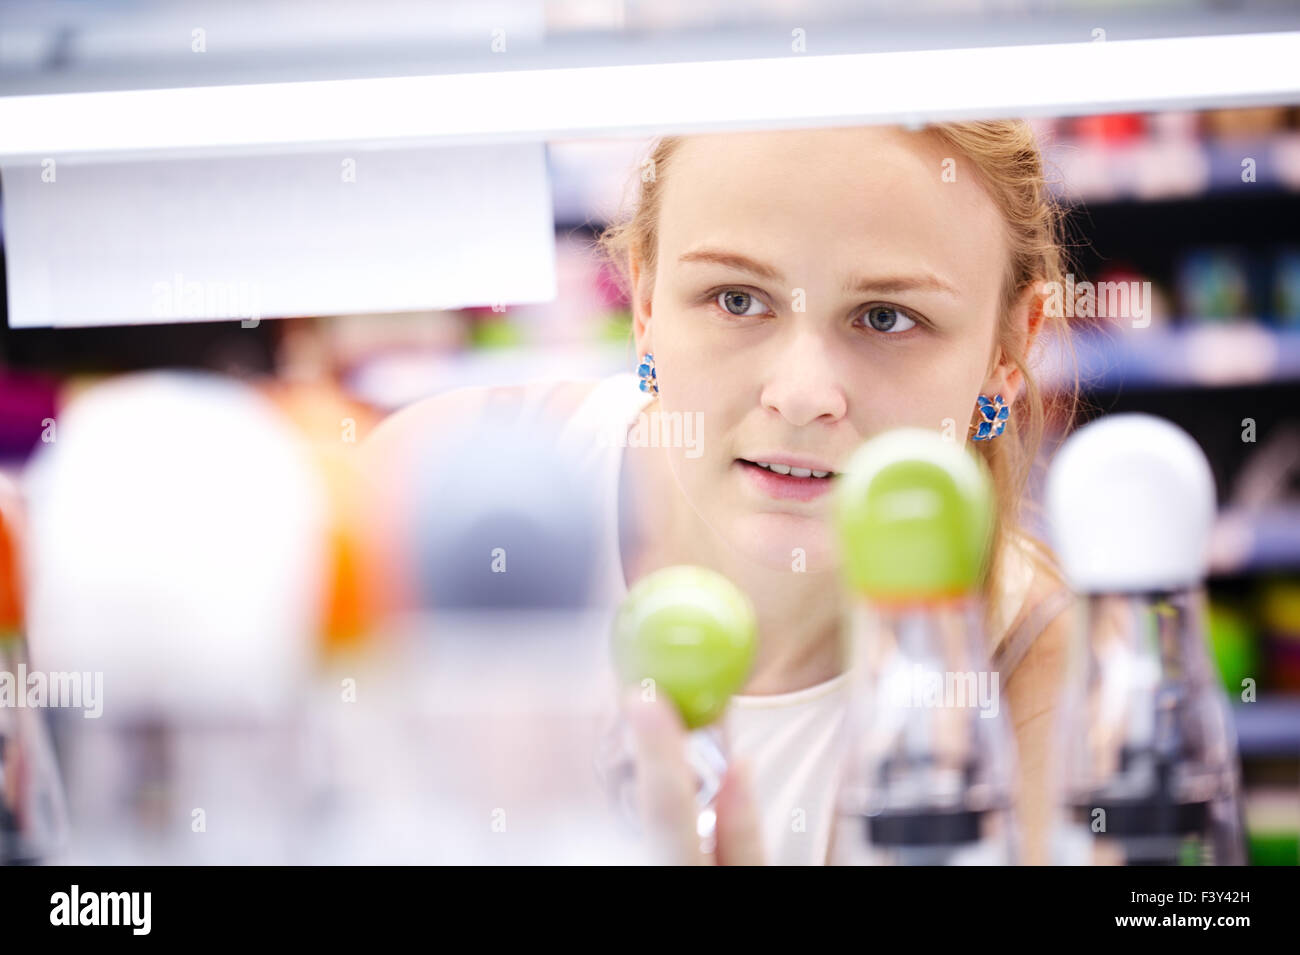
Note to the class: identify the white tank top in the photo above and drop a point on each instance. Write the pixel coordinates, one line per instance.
(788, 739)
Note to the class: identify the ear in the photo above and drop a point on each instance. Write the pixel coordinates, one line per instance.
(1026, 319)
(642, 295)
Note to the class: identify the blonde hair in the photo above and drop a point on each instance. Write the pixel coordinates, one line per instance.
(1005, 157)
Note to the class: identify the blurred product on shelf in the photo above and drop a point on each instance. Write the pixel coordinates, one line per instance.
(1213, 286)
(498, 517)
(1273, 816)
(33, 812)
(1286, 288)
(27, 405)
(1129, 300)
(1175, 124)
(1173, 154)
(492, 329)
(1111, 358)
(11, 575)
(1245, 121)
(1110, 128)
(333, 425)
(114, 513)
(1234, 645)
(177, 550)
(1280, 621)
(1259, 524)
(1169, 161)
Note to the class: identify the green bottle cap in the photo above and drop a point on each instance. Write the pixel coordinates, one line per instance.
(693, 632)
(914, 517)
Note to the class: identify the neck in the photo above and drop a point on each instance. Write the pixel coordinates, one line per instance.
(800, 628)
(799, 614)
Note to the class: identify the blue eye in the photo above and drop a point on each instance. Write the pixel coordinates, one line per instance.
(884, 318)
(738, 303)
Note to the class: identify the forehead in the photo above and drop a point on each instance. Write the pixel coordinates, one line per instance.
(852, 198)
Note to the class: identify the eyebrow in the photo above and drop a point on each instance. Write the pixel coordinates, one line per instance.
(882, 285)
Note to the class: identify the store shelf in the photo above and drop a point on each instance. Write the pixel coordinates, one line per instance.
(1267, 539)
(1268, 727)
(1244, 353)
(1153, 169)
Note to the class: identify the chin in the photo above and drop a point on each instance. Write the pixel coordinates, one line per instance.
(771, 539)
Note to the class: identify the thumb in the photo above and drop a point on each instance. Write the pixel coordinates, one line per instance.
(664, 783)
(740, 839)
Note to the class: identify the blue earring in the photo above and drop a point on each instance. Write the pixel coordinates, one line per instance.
(994, 414)
(649, 381)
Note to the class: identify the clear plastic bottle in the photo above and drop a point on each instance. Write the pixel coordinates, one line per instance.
(706, 754)
(1150, 773)
(929, 766)
(1151, 765)
(930, 763)
(689, 633)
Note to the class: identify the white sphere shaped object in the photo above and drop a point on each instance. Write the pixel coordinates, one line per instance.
(1130, 501)
(176, 544)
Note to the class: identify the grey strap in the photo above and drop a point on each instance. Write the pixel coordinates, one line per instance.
(1012, 651)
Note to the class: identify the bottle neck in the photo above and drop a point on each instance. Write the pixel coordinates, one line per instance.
(1163, 630)
(951, 630)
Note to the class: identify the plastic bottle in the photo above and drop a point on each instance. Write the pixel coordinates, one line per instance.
(1150, 771)
(689, 633)
(930, 761)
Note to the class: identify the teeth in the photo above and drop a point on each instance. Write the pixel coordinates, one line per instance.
(793, 472)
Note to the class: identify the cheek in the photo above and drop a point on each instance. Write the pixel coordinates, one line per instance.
(708, 397)
(691, 364)
(933, 392)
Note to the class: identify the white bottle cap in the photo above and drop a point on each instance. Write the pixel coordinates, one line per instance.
(1130, 500)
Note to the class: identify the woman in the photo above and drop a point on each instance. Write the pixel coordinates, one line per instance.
(794, 293)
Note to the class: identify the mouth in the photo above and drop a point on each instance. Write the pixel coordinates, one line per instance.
(791, 481)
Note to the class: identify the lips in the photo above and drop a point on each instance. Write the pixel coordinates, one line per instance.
(786, 464)
(798, 484)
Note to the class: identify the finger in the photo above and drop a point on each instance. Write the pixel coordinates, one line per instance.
(664, 781)
(740, 840)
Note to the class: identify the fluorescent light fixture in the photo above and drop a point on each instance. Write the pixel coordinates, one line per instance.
(792, 91)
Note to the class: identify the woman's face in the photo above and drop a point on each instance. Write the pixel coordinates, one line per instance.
(814, 288)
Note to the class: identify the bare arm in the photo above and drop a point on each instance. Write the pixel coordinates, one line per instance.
(1034, 693)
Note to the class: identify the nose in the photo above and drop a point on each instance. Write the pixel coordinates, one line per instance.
(802, 384)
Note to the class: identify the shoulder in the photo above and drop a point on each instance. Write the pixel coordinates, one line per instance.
(1047, 622)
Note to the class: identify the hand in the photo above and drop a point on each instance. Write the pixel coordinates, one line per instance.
(666, 793)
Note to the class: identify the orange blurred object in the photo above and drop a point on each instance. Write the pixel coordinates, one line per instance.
(334, 426)
(11, 599)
